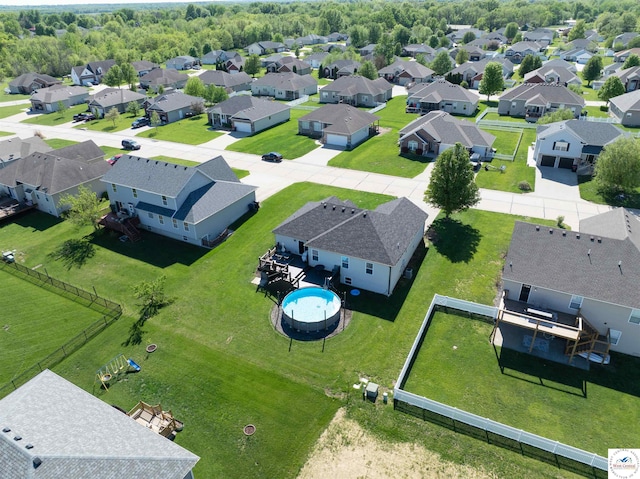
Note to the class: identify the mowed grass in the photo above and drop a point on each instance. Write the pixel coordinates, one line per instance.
(506, 141)
(192, 131)
(179, 161)
(590, 191)
(540, 397)
(35, 322)
(107, 126)
(6, 111)
(5, 97)
(56, 117)
(283, 138)
(57, 143)
(515, 172)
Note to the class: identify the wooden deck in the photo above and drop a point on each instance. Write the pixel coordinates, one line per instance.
(11, 207)
(539, 325)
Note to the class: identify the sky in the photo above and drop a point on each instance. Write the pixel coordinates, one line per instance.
(34, 3)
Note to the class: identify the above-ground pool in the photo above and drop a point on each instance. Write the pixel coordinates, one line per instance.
(311, 309)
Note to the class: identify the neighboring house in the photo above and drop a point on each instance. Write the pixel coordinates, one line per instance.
(235, 64)
(472, 72)
(338, 125)
(27, 83)
(290, 64)
(371, 249)
(583, 43)
(630, 78)
(497, 36)
(578, 55)
(610, 69)
(33, 443)
(337, 37)
(542, 36)
(183, 62)
(48, 100)
(118, 98)
(592, 273)
(519, 50)
(557, 62)
(403, 72)
(441, 95)
(311, 39)
(284, 86)
(161, 77)
(626, 108)
(143, 67)
(172, 106)
(368, 49)
(42, 178)
(437, 131)
(214, 57)
(195, 204)
(271, 59)
(86, 151)
(573, 144)
(92, 72)
(624, 38)
(357, 91)
(551, 74)
(248, 114)
(621, 57)
(416, 49)
(485, 44)
(15, 148)
(457, 36)
(315, 59)
(533, 100)
(261, 48)
(340, 68)
(238, 82)
(475, 53)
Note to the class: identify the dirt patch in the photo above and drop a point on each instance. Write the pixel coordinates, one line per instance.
(346, 450)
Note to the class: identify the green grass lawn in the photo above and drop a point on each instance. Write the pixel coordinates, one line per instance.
(282, 138)
(496, 116)
(56, 118)
(5, 133)
(6, 111)
(5, 97)
(179, 161)
(35, 323)
(589, 191)
(596, 112)
(516, 171)
(122, 123)
(537, 396)
(588, 93)
(57, 143)
(192, 131)
(220, 365)
(321, 81)
(506, 141)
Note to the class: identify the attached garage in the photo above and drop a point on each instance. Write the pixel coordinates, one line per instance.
(337, 140)
(565, 163)
(242, 126)
(548, 161)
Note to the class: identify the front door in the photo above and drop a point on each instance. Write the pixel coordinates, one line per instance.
(524, 293)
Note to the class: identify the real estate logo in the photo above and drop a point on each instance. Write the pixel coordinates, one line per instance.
(624, 463)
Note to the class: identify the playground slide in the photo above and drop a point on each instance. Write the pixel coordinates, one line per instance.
(133, 365)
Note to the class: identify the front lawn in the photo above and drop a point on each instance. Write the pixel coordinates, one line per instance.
(6, 111)
(516, 171)
(457, 365)
(57, 117)
(107, 126)
(192, 131)
(57, 143)
(5, 97)
(283, 138)
(589, 191)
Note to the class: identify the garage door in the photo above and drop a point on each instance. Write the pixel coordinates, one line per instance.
(566, 163)
(548, 160)
(244, 127)
(337, 140)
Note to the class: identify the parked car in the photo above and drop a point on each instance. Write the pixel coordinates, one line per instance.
(142, 121)
(84, 116)
(272, 156)
(130, 145)
(112, 161)
(8, 257)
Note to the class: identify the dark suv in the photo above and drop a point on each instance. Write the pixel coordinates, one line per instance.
(272, 156)
(138, 122)
(130, 145)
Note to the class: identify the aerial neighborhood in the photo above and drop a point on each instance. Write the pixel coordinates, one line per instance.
(304, 239)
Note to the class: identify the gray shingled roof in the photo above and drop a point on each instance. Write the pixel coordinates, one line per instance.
(76, 436)
(19, 148)
(548, 92)
(357, 85)
(627, 102)
(224, 79)
(210, 199)
(27, 79)
(56, 93)
(288, 81)
(441, 90)
(627, 74)
(520, 47)
(562, 261)
(341, 118)
(565, 75)
(381, 236)
(413, 68)
(110, 97)
(249, 107)
(169, 75)
(479, 66)
(591, 133)
(172, 101)
(447, 129)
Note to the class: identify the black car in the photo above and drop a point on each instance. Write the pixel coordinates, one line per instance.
(84, 116)
(130, 145)
(272, 156)
(142, 121)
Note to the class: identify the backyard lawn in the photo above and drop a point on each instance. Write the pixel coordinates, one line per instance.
(57, 143)
(6, 111)
(220, 365)
(192, 131)
(506, 140)
(596, 112)
(540, 397)
(282, 138)
(57, 117)
(516, 171)
(5, 97)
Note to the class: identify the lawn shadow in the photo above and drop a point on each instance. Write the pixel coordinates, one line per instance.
(74, 252)
(621, 374)
(153, 249)
(454, 240)
(381, 306)
(36, 220)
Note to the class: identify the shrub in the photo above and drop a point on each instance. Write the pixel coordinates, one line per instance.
(419, 152)
(524, 186)
(604, 108)
(560, 221)
(404, 149)
(464, 84)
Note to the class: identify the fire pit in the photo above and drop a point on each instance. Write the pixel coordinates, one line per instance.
(249, 429)
(151, 348)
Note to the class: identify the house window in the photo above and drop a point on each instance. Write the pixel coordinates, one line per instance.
(314, 254)
(175, 223)
(161, 219)
(576, 302)
(113, 187)
(135, 192)
(413, 145)
(369, 268)
(635, 316)
(347, 281)
(561, 146)
(150, 215)
(614, 335)
(164, 200)
(345, 262)
(186, 226)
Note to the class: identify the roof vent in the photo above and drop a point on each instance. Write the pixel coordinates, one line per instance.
(352, 211)
(343, 208)
(6, 429)
(564, 233)
(537, 227)
(17, 438)
(550, 231)
(334, 207)
(364, 214)
(599, 240)
(29, 446)
(36, 462)
(592, 239)
(324, 205)
(577, 235)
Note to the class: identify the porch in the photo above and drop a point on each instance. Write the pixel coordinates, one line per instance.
(275, 266)
(122, 223)
(10, 207)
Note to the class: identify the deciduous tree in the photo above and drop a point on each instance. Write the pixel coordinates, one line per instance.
(368, 70)
(112, 115)
(252, 65)
(612, 87)
(462, 56)
(618, 166)
(511, 30)
(492, 80)
(194, 87)
(592, 69)
(133, 107)
(441, 63)
(215, 94)
(528, 64)
(558, 115)
(84, 207)
(632, 60)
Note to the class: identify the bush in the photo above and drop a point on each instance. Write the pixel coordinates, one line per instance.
(404, 149)
(419, 152)
(464, 84)
(560, 221)
(604, 108)
(524, 186)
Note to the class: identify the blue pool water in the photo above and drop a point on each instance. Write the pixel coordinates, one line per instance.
(311, 305)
